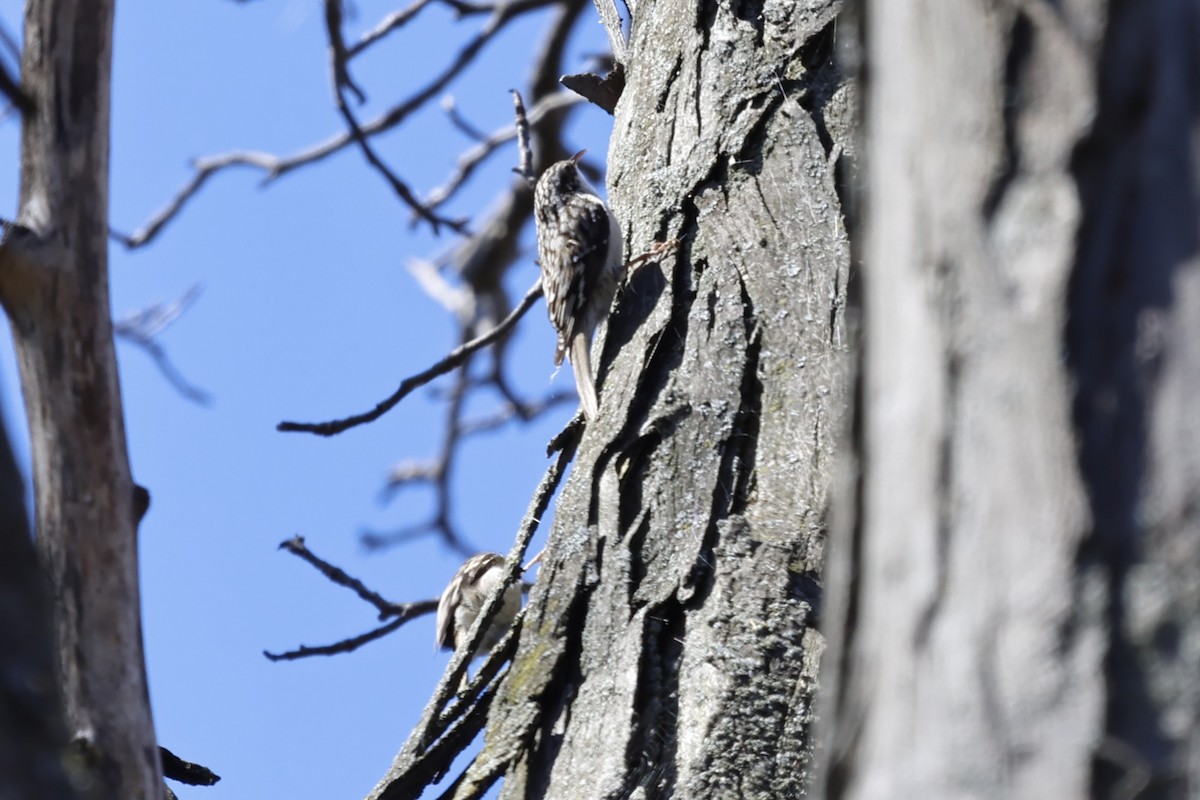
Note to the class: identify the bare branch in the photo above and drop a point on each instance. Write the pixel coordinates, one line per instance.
(443, 732)
(525, 412)
(380, 540)
(612, 26)
(469, 161)
(403, 612)
(458, 300)
(398, 19)
(298, 548)
(450, 106)
(177, 769)
(169, 371)
(341, 82)
(347, 645)
(481, 262)
(408, 473)
(458, 732)
(449, 453)
(501, 15)
(521, 127)
(393, 21)
(456, 357)
(483, 259)
(154, 319)
(276, 167)
(10, 84)
(439, 474)
(141, 327)
(338, 57)
(10, 42)
(205, 169)
(11, 88)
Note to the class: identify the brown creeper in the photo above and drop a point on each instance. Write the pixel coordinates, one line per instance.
(580, 253)
(466, 596)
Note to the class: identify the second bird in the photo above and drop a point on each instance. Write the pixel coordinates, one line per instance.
(580, 253)
(465, 597)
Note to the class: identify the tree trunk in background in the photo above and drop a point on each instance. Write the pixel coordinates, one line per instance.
(32, 743)
(1014, 584)
(669, 647)
(54, 287)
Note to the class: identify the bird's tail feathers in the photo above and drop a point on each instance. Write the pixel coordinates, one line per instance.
(585, 384)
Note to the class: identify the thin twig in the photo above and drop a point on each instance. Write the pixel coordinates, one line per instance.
(428, 768)
(10, 42)
(153, 320)
(141, 329)
(516, 556)
(444, 731)
(471, 160)
(276, 167)
(402, 612)
(168, 369)
(187, 772)
(525, 412)
(398, 19)
(11, 88)
(450, 442)
(465, 127)
(338, 58)
(612, 26)
(525, 165)
(342, 82)
(409, 473)
(205, 169)
(298, 548)
(458, 300)
(456, 357)
(379, 540)
(440, 475)
(393, 21)
(351, 644)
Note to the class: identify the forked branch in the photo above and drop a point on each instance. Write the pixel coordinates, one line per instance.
(456, 357)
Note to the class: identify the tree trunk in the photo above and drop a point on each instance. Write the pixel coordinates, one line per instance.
(54, 287)
(31, 736)
(1014, 584)
(668, 647)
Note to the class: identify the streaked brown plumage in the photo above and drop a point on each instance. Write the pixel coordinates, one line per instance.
(466, 596)
(580, 254)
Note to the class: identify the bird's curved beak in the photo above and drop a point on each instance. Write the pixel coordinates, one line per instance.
(575, 158)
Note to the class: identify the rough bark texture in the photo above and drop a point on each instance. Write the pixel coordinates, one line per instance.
(668, 647)
(1014, 587)
(54, 287)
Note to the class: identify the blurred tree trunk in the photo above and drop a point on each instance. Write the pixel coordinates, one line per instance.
(54, 288)
(32, 744)
(1014, 584)
(669, 646)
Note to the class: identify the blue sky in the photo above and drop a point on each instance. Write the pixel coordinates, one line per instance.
(307, 312)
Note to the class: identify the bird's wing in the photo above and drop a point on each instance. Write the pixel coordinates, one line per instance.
(589, 256)
(444, 633)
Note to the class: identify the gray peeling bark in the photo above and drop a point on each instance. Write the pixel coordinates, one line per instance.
(1024, 533)
(54, 288)
(669, 646)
